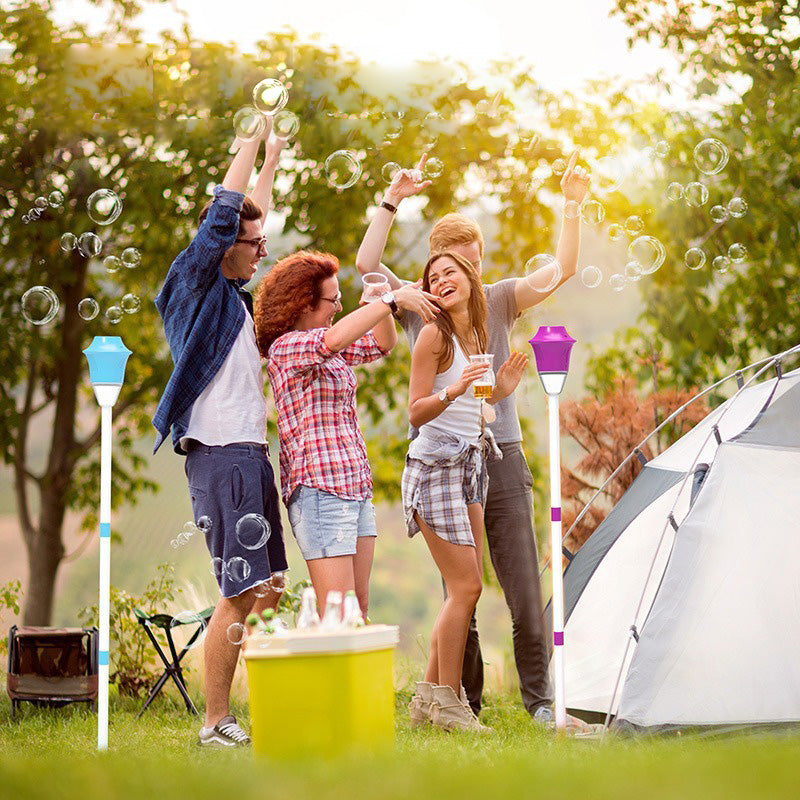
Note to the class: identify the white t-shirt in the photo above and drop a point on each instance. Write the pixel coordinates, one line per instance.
(232, 408)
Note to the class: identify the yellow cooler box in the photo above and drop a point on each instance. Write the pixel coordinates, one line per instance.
(321, 693)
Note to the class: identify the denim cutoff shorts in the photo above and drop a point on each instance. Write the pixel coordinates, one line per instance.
(326, 525)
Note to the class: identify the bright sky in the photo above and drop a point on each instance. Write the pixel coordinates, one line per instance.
(568, 41)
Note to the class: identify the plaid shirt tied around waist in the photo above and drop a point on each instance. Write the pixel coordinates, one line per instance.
(443, 472)
(315, 397)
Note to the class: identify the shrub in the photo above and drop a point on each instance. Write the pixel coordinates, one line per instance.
(9, 599)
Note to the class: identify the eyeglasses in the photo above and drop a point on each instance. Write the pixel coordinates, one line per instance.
(337, 301)
(260, 244)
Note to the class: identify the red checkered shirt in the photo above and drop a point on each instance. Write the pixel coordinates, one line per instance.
(315, 396)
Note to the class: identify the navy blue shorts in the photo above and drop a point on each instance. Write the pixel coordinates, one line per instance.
(225, 484)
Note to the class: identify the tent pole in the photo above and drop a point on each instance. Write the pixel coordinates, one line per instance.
(555, 563)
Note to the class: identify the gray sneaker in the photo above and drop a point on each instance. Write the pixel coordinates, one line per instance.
(226, 733)
(545, 717)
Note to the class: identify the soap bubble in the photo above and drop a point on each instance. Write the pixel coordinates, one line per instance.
(270, 96)
(248, 124)
(696, 194)
(572, 209)
(710, 156)
(737, 207)
(694, 258)
(674, 191)
(252, 531)
(278, 582)
(103, 206)
(433, 168)
(591, 277)
(131, 257)
(112, 264)
(389, 170)
(89, 244)
(114, 314)
(648, 252)
(607, 174)
(592, 212)
(88, 308)
(39, 305)
(238, 569)
(286, 124)
(205, 524)
(721, 264)
(543, 272)
(34, 213)
(68, 241)
(559, 166)
(737, 252)
(718, 213)
(26, 219)
(40, 202)
(615, 232)
(343, 169)
(395, 124)
(237, 633)
(261, 589)
(217, 568)
(633, 271)
(183, 626)
(634, 225)
(130, 303)
(617, 282)
(662, 148)
(55, 199)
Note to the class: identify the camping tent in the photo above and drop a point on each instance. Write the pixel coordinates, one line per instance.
(683, 607)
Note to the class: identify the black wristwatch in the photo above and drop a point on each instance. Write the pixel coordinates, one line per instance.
(388, 298)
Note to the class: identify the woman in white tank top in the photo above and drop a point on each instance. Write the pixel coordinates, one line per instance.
(444, 482)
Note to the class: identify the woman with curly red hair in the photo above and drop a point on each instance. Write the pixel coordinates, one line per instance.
(325, 475)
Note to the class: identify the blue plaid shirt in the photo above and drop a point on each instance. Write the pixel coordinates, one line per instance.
(202, 313)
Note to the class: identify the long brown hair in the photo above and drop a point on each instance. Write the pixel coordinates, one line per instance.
(293, 284)
(476, 306)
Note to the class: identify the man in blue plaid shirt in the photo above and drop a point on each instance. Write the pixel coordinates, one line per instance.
(214, 406)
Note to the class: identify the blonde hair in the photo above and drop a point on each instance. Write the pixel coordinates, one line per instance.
(454, 229)
(476, 306)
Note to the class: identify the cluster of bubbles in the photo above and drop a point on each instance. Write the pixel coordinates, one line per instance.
(190, 528)
(53, 200)
(269, 100)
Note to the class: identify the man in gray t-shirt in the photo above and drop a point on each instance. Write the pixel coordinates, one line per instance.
(508, 514)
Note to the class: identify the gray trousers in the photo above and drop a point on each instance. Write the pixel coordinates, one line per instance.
(512, 547)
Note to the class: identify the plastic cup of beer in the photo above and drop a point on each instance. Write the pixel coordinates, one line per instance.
(483, 385)
(375, 285)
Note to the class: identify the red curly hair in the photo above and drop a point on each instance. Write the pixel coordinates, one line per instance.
(294, 283)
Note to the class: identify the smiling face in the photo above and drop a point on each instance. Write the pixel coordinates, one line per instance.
(448, 281)
(241, 259)
(328, 307)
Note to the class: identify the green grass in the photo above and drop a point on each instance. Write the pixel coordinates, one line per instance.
(51, 754)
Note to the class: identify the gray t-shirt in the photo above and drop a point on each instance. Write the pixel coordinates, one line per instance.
(502, 313)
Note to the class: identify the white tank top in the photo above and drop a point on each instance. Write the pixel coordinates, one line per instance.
(463, 416)
(232, 408)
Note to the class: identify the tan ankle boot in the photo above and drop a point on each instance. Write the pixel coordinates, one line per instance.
(450, 713)
(420, 706)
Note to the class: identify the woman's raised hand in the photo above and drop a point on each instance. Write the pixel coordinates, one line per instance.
(411, 298)
(509, 375)
(407, 182)
(575, 180)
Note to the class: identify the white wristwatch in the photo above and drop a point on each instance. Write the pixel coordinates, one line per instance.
(444, 397)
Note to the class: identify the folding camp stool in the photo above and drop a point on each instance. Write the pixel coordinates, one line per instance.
(173, 668)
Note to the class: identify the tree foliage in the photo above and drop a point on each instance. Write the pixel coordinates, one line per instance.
(743, 62)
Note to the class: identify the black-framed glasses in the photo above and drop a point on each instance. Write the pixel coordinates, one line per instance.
(260, 244)
(337, 301)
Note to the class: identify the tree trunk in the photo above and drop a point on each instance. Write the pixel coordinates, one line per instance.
(45, 546)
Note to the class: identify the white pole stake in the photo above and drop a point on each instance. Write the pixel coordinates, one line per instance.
(555, 563)
(105, 576)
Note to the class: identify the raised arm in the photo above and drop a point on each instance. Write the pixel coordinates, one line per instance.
(241, 168)
(532, 290)
(262, 192)
(406, 182)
